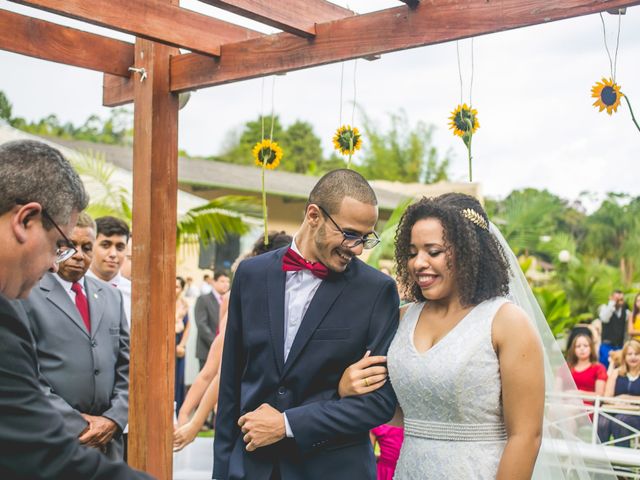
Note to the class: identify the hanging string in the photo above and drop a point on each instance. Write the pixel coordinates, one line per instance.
(471, 82)
(460, 74)
(273, 96)
(341, 89)
(262, 109)
(353, 112)
(459, 68)
(613, 64)
(266, 158)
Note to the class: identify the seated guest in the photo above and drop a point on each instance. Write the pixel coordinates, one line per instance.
(623, 383)
(590, 375)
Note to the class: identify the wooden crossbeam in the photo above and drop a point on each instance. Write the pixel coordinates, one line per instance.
(364, 35)
(153, 20)
(45, 40)
(294, 16)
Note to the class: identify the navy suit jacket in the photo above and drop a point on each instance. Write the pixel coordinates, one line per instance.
(350, 313)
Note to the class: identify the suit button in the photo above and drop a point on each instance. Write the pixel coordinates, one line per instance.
(282, 390)
(93, 344)
(96, 372)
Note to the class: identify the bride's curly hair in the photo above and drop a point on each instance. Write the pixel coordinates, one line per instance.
(478, 261)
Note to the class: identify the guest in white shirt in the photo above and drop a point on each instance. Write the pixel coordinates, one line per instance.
(109, 254)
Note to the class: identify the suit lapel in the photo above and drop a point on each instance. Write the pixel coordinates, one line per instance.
(276, 278)
(322, 301)
(95, 298)
(58, 297)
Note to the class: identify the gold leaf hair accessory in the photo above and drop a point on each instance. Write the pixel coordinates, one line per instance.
(473, 216)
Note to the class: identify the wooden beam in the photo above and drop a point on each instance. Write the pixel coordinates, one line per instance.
(155, 180)
(48, 41)
(294, 16)
(153, 20)
(375, 33)
(400, 28)
(411, 3)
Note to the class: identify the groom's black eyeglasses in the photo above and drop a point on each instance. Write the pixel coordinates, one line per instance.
(351, 240)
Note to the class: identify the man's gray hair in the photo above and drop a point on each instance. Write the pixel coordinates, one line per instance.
(32, 171)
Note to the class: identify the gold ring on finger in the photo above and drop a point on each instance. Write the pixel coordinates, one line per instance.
(366, 381)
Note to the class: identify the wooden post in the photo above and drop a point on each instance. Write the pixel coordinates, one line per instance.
(155, 172)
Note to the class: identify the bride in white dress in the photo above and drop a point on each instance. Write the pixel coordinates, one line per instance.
(466, 365)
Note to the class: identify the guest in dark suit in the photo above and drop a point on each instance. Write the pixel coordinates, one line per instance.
(40, 197)
(207, 315)
(82, 342)
(298, 317)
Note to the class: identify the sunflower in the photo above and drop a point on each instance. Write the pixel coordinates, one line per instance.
(464, 119)
(607, 94)
(267, 154)
(347, 140)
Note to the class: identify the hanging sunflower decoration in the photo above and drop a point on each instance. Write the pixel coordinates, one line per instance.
(347, 140)
(267, 154)
(607, 94)
(464, 123)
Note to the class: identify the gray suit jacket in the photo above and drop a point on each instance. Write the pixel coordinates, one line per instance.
(207, 313)
(82, 373)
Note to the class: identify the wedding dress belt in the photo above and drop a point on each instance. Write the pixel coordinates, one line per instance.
(461, 432)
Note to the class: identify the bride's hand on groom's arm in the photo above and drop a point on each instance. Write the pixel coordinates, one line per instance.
(364, 376)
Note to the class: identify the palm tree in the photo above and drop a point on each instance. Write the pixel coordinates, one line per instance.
(213, 221)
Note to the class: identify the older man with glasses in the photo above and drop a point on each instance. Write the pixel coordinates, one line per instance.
(298, 317)
(81, 335)
(40, 199)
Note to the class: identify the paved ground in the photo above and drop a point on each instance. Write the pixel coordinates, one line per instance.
(195, 462)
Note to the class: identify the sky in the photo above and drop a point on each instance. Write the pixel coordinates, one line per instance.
(531, 87)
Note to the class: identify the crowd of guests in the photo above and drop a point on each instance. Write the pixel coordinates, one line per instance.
(604, 360)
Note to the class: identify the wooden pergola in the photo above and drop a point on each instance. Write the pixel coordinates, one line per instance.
(152, 72)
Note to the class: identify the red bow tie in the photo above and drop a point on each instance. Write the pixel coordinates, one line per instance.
(292, 262)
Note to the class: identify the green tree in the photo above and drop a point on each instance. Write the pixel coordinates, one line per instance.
(526, 217)
(302, 150)
(213, 221)
(404, 153)
(5, 107)
(240, 151)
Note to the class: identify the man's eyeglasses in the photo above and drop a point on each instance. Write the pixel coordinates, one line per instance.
(64, 251)
(351, 240)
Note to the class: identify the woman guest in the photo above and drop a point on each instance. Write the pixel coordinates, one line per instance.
(634, 319)
(623, 383)
(589, 375)
(182, 326)
(203, 394)
(389, 440)
(466, 364)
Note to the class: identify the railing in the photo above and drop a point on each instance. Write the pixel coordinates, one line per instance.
(567, 415)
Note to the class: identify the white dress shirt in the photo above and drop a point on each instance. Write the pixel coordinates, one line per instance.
(67, 287)
(124, 285)
(299, 290)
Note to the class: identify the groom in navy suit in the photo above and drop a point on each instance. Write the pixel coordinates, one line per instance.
(298, 317)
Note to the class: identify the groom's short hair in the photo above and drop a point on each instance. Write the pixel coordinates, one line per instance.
(334, 186)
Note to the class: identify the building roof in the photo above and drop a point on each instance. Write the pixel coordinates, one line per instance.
(197, 171)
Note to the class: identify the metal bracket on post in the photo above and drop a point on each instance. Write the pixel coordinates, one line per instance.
(141, 71)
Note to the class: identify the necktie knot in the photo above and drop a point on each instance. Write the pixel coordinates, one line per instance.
(293, 262)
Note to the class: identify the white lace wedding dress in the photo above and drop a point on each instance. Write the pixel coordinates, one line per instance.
(451, 399)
